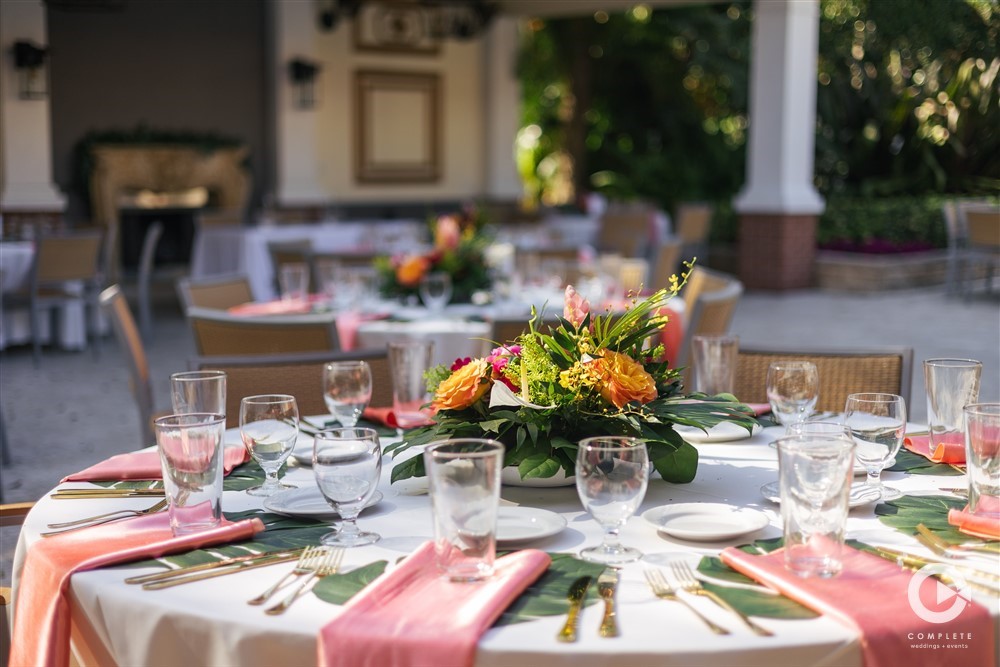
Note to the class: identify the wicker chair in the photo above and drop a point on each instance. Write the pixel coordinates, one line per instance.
(219, 292)
(668, 258)
(710, 299)
(219, 333)
(625, 232)
(300, 375)
(982, 254)
(694, 223)
(841, 372)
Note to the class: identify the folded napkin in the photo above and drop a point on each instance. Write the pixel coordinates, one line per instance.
(871, 596)
(387, 416)
(672, 334)
(145, 465)
(413, 615)
(759, 409)
(950, 450)
(42, 618)
(984, 523)
(276, 307)
(347, 327)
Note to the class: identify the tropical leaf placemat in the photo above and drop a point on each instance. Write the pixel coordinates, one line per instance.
(907, 461)
(905, 513)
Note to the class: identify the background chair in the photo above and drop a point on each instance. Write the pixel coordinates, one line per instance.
(66, 269)
(219, 333)
(115, 306)
(982, 252)
(625, 232)
(300, 375)
(841, 372)
(692, 228)
(668, 259)
(710, 314)
(220, 292)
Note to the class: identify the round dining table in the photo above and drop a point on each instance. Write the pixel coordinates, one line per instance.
(210, 622)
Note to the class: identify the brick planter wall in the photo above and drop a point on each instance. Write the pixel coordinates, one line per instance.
(859, 272)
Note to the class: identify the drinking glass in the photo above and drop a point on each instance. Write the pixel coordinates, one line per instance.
(819, 428)
(792, 390)
(982, 454)
(347, 388)
(715, 363)
(293, 278)
(611, 477)
(198, 391)
(408, 361)
(347, 465)
(878, 424)
(190, 448)
(269, 425)
(951, 384)
(435, 290)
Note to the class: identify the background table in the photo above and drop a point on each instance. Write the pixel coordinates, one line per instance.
(209, 622)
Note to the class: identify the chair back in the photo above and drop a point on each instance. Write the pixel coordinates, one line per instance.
(710, 315)
(841, 372)
(114, 304)
(300, 375)
(625, 232)
(220, 292)
(983, 228)
(219, 333)
(701, 281)
(693, 226)
(68, 257)
(668, 258)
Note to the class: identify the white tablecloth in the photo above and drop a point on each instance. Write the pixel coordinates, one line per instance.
(15, 323)
(208, 623)
(453, 338)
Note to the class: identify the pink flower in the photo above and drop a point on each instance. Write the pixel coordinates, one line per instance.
(448, 233)
(461, 362)
(576, 307)
(499, 358)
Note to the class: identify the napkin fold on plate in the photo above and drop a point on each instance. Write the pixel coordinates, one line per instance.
(42, 617)
(984, 523)
(413, 615)
(872, 596)
(387, 417)
(950, 450)
(145, 465)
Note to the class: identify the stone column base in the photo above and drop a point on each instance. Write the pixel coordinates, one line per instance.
(777, 251)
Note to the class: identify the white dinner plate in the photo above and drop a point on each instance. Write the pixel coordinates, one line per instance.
(721, 432)
(705, 522)
(861, 494)
(518, 524)
(306, 502)
(303, 449)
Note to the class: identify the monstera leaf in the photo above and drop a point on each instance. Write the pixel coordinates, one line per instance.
(907, 461)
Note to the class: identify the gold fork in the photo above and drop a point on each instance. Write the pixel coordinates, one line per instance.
(661, 589)
(66, 526)
(328, 564)
(942, 548)
(305, 565)
(685, 577)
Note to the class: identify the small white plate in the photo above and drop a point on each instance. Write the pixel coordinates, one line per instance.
(860, 494)
(306, 502)
(721, 432)
(518, 524)
(303, 449)
(705, 522)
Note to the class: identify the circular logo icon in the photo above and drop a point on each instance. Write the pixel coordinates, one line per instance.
(958, 593)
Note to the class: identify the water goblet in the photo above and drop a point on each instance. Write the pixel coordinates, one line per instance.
(878, 424)
(435, 290)
(792, 390)
(347, 388)
(269, 426)
(611, 477)
(347, 464)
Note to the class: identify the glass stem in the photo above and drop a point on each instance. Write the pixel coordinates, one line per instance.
(874, 478)
(270, 477)
(349, 526)
(611, 541)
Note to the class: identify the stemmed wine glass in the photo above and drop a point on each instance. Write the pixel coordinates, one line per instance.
(347, 388)
(347, 464)
(878, 425)
(611, 477)
(435, 290)
(269, 425)
(792, 390)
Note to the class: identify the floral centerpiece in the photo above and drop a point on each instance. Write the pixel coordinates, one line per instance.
(591, 375)
(460, 242)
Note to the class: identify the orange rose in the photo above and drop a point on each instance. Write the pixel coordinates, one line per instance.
(622, 379)
(411, 270)
(463, 387)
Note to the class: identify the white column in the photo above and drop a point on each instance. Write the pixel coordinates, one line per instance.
(25, 125)
(502, 96)
(780, 154)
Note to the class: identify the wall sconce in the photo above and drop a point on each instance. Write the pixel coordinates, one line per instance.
(303, 74)
(29, 61)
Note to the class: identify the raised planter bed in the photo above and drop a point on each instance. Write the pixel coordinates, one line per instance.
(861, 272)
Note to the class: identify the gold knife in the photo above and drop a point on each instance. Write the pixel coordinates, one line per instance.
(96, 496)
(201, 576)
(577, 594)
(607, 584)
(180, 572)
(909, 561)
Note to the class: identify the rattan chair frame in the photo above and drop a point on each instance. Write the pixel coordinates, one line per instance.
(299, 375)
(218, 292)
(710, 315)
(219, 333)
(841, 372)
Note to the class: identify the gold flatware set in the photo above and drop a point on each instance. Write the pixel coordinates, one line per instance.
(80, 494)
(186, 575)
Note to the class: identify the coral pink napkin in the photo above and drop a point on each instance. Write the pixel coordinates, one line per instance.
(950, 450)
(871, 596)
(759, 409)
(984, 523)
(145, 465)
(386, 416)
(414, 616)
(672, 334)
(276, 307)
(42, 618)
(347, 327)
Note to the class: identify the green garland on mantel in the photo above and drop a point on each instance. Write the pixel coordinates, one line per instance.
(142, 135)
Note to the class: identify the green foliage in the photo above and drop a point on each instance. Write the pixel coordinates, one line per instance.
(905, 513)
(904, 222)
